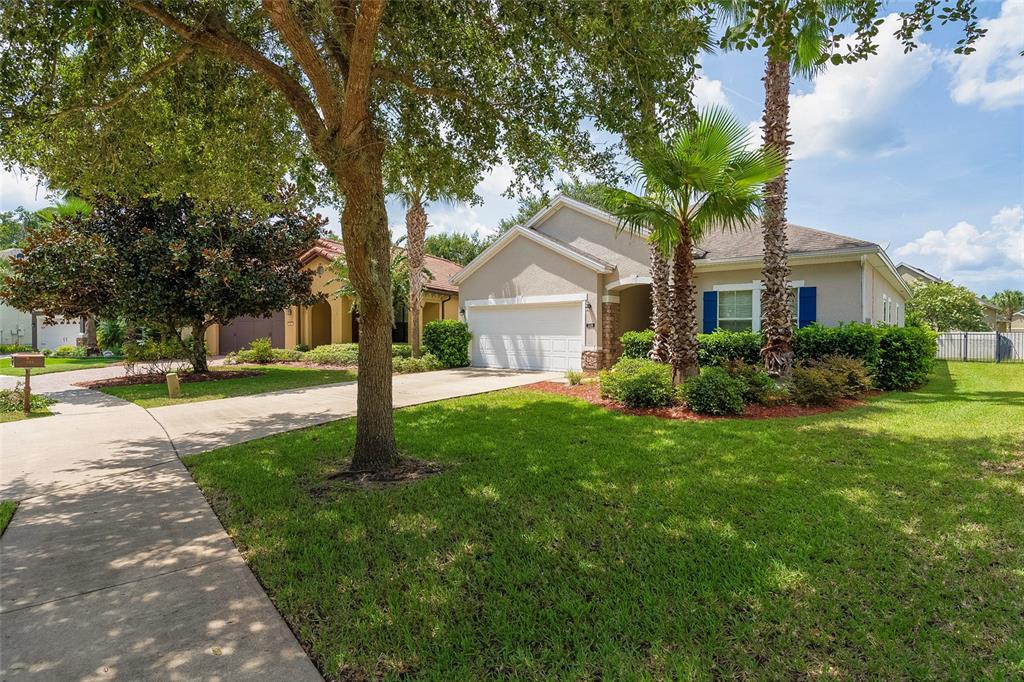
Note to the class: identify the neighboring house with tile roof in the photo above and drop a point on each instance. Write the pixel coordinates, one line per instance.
(333, 320)
(558, 291)
(993, 316)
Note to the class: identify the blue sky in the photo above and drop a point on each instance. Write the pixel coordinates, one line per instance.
(923, 152)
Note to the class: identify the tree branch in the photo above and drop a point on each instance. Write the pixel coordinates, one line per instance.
(305, 53)
(176, 58)
(216, 37)
(358, 79)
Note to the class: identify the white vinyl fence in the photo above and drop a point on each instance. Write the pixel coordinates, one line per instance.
(981, 346)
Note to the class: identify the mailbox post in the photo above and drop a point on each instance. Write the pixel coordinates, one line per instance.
(27, 361)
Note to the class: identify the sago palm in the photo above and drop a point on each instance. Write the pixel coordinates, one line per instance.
(797, 35)
(704, 178)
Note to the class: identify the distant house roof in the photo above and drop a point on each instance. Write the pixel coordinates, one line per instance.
(745, 244)
(440, 269)
(916, 272)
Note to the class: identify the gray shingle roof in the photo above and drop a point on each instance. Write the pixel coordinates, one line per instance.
(742, 244)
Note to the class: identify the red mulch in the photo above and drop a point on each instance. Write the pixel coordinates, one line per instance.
(591, 392)
(185, 378)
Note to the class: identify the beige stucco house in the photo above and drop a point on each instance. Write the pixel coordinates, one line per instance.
(559, 291)
(991, 313)
(333, 320)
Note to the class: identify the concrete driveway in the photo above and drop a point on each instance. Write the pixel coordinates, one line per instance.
(116, 567)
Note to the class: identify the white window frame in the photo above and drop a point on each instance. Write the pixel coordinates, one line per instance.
(756, 286)
(886, 309)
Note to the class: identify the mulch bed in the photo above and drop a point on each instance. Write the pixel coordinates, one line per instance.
(185, 378)
(591, 392)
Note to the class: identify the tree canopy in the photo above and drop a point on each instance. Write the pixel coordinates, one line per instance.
(168, 265)
(944, 307)
(458, 247)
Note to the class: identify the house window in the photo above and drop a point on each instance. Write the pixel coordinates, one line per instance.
(886, 309)
(794, 304)
(736, 310)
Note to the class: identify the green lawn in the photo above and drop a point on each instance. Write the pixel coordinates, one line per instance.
(7, 508)
(273, 379)
(19, 415)
(57, 365)
(570, 542)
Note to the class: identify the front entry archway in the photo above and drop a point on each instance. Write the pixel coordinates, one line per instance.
(320, 323)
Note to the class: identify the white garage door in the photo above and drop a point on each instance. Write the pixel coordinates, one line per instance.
(525, 336)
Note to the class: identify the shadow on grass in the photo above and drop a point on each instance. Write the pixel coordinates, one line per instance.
(570, 541)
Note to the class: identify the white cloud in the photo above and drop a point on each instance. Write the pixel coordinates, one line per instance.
(21, 189)
(993, 75)
(845, 113)
(459, 218)
(709, 93)
(970, 254)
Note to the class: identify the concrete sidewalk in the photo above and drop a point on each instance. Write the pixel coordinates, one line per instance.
(115, 567)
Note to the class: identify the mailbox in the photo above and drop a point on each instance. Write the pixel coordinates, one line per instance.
(27, 360)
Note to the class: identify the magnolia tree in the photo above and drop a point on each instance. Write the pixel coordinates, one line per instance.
(219, 99)
(171, 265)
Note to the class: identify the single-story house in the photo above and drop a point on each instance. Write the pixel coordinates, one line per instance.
(993, 316)
(557, 292)
(333, 320)
(32, 329)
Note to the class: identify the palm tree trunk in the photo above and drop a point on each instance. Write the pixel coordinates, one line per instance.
(776, 318)
(416, 229)
(661, 296)
(684, 311)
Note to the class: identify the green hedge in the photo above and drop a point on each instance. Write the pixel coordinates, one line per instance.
(714, 391)
(853, 340)
(905, 357)
(721, 347)
(6, 348)
(448, 340)
(637, 382)
(637, 344)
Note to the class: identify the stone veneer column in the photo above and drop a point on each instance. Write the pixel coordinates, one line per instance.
(610, 330)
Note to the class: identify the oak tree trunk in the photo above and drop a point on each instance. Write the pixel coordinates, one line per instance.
(661, 296)
(416, 229)
(684, 310)
(367, 242)
(776, 317)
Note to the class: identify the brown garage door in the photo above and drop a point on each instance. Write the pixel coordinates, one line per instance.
(242, 330)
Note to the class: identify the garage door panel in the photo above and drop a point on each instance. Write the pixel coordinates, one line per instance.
(527, 336)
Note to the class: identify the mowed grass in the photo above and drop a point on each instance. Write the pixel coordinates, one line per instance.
(271, 379)
(7, 509)
(570, 542)
(6, 417)
(57, 365)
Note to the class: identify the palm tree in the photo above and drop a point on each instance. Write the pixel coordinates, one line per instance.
(1009, 302)
(71, 206)
(414, 197)
(661, 305)
(798, 37)
(703, 178)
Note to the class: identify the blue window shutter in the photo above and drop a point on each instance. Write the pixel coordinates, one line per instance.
(710, 311)
(808, 306)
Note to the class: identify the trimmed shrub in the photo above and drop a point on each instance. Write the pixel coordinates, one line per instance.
(574, 376)
(851, 373)
(155, 357)
(301, 347)
(637, 382)
(334, 354)
(411, 365)
(905, 357)
(261, 350)
(854, 340)
(69, 352)
(758, 387)
(637, 344)
(724, 346)
(401, 350)
(714, 391)
(448, 340)
(816, 386)
(6, 348)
